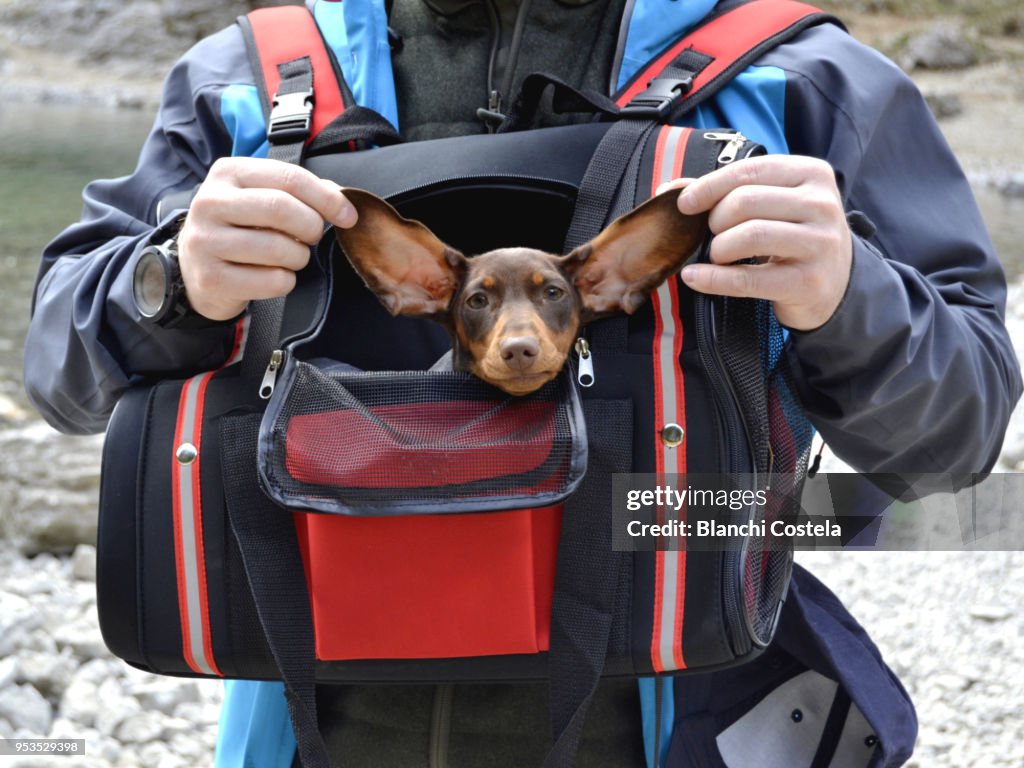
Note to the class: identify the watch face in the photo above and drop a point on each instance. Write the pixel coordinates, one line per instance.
(150, 283)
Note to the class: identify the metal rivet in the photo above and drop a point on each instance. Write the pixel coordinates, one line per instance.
(796, 716)
(186, 453)
(871, 740)
(672, 435)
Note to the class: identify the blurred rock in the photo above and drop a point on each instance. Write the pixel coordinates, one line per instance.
(83, 637)
(164, 694)
(944, 104)
(140, 728)
(83, 562)
(25, 708)
(1012, 186)
(49, 673)
(990, 612)
(17, 620)
(51, 484)
(117, 707)
(942, 47)
(9, 671)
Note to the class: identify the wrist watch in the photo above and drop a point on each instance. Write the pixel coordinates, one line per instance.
(159, 291)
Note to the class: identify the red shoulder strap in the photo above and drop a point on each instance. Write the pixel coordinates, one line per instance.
(279, 36)
(711, 55)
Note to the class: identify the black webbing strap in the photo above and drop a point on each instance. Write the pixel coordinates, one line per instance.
(273, 568)
(606, 191)
(287, 130)
(291, 111)
(602, 180)
(566, 98)
(587, 568)
(356, 124)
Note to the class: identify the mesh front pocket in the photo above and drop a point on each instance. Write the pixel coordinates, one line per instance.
(418, 442)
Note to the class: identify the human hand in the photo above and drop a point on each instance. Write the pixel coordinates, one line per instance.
(249, 229)
(786, 212)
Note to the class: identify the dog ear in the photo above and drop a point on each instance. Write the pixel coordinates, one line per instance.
(408, 268)
(632, 256)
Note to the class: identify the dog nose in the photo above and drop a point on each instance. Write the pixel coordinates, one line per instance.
(520, 352)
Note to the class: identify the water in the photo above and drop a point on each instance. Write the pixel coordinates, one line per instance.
(47, 155)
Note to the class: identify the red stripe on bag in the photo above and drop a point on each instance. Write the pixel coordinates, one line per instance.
(669, 405)
(187, 513)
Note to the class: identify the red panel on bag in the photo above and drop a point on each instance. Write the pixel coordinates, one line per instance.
(430, 586)
(419, 445)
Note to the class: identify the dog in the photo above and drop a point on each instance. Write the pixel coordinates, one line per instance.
(514, 313)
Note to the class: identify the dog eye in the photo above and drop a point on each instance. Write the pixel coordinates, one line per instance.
(554, 293)
(477, 300)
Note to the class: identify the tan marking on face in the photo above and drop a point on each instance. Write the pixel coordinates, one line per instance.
(488, 282)
(538, 278)
(488, 364)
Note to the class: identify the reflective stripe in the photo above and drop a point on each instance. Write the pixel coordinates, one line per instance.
(669, 407)
(186, 501)
(188, 532)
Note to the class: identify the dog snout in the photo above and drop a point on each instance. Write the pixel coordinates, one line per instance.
(520, 352)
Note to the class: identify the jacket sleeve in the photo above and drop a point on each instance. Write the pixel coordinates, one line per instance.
(915, 373)
(85, 342)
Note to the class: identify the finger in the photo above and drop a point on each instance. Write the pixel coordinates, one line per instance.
(768, 170)
(759, 202)
(259, 247)
(759, 238)
(322, 195)
(674, 184)
(264, 208)
(773, 282)
(230, 284)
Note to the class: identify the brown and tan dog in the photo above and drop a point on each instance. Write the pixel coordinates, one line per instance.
(514, 313)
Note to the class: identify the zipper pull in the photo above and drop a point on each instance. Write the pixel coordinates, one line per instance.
(733, 142)
(270, 375)
(585, 369)
(491, 115)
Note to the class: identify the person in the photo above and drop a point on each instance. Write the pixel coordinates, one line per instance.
(878, 264)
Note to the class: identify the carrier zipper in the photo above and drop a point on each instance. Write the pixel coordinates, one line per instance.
(733, 142)
(585, 366)
(270, 375)
(724, 396)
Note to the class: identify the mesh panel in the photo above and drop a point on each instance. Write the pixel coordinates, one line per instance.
(751, 344)
(412, 441)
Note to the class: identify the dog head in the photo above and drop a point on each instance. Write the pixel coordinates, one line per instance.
(514, 313)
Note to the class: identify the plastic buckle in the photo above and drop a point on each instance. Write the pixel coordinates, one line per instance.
(659, 100)
(290, 117)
